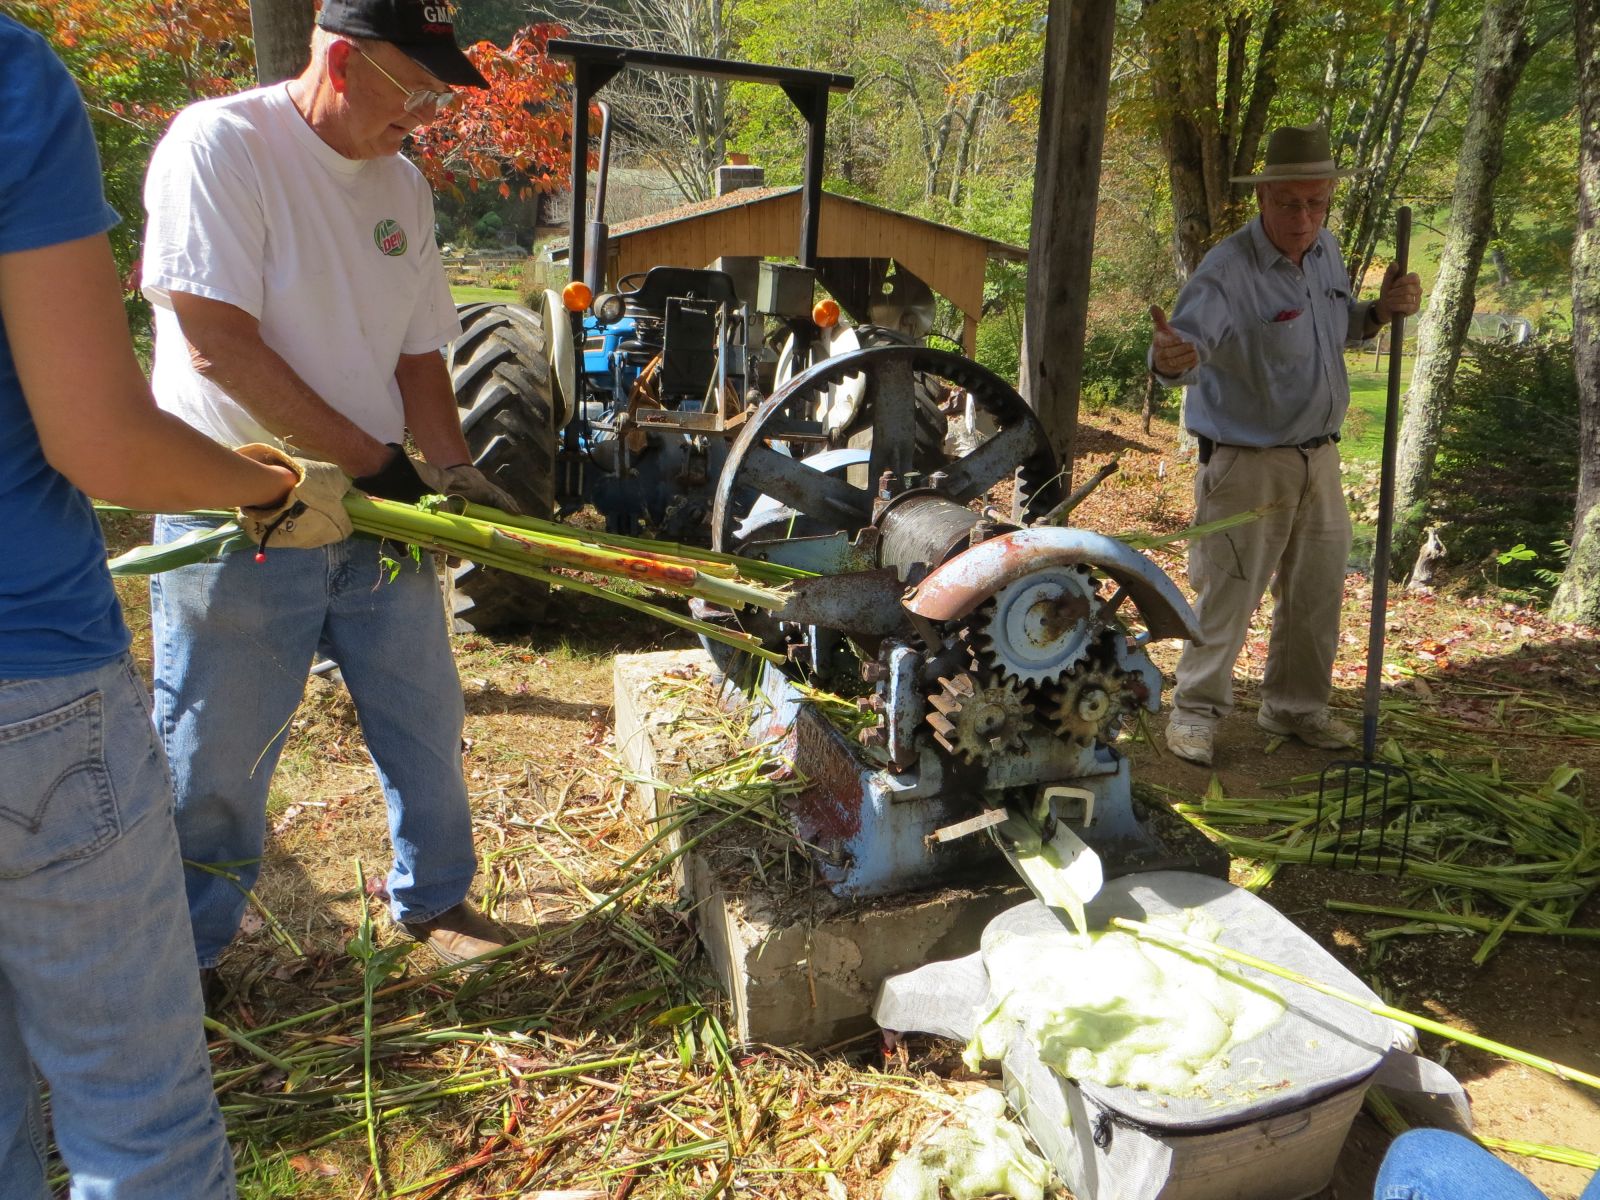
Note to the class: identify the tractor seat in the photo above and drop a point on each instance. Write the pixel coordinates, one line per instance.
(660, 284)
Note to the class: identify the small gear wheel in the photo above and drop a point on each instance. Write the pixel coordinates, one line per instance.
(978, 721)
(1090, 704)
(1043, 625)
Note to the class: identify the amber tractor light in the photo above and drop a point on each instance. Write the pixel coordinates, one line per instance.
(825, 313)
(575, 297)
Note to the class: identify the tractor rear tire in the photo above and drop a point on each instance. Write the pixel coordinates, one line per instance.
(500, 369)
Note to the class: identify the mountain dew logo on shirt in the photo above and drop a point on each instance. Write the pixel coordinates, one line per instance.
(390, 238)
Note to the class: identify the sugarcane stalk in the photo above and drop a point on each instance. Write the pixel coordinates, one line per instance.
(755, 568)
(367, 972)
(488, 544)
(1461, 920)
(1555, 1154)
(1172, 937)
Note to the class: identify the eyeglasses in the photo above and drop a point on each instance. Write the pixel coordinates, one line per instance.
(417, 102)
(1299, 208)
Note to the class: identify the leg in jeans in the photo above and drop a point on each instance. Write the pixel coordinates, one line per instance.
(95, 951)
(1229, 571)
(22, 1134)
(386, 629)
(1308, 592)
(1433, 1164)
(233, 643)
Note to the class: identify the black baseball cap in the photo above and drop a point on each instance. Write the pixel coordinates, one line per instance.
(423, 30)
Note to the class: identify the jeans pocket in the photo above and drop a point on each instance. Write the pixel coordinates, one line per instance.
(56, 798)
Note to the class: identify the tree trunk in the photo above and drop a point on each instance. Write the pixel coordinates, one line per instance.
(969, 135)
(282, 32)
(1370, 201)
(1578, 596)
(1212, 112)
(1072, 125)
(1502, 55)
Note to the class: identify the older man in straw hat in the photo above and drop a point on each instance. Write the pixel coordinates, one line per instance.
(1258, 335)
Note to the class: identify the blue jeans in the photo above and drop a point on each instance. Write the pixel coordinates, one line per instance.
(1431, 1164)
(98, 992)
(233, 643)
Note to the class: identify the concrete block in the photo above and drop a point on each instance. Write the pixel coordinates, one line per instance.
(800, 965)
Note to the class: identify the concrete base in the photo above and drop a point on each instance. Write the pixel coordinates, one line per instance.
(801, 966)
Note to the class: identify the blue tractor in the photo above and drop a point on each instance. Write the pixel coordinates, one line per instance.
(627, 395)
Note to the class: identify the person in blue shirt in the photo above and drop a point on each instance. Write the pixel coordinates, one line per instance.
(98, 994)
(1257, 337)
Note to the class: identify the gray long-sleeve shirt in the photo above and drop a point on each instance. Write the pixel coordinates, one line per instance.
(1271, 338)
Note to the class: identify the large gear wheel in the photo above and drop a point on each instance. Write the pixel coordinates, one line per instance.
(1043, 625)
(897, 379)
(979, 721)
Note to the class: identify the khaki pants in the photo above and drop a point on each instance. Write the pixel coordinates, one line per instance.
(1300, 545)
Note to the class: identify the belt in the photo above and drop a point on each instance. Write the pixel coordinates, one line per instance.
(1208, 447)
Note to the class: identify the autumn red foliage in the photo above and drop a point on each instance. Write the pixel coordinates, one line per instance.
(515, 135)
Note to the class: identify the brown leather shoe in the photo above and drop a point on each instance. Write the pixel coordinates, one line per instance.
(459, 933)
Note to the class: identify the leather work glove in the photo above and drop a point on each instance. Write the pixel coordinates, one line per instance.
(471, 484)
(408, 480)
(311, 515)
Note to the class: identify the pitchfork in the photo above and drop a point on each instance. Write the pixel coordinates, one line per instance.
(1368, 788)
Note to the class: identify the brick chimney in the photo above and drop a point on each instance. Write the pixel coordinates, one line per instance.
(738, 173)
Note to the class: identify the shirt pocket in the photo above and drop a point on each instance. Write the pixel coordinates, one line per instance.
(1287, 352)
(1336, 317)
(56, 798)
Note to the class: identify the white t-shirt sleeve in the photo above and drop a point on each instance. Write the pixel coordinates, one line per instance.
(434, 323)
(206, 230)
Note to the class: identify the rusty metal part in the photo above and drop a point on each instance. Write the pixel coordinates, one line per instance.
(957, 588)
(860, 602)
(1089, 705)
(1093, 702)
(1042, 625)
(1059, 514)
(923, 527)
(1020, 444)
(978, 721)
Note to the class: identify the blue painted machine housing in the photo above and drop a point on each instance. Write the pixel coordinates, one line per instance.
(667, 487)
(605, 369)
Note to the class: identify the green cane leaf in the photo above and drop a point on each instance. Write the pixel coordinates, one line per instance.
(202, 545)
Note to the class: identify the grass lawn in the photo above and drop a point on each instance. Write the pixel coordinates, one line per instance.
(1363, 427)
(469, 294)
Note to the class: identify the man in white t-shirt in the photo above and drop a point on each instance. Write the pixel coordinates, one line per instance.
(300, 301)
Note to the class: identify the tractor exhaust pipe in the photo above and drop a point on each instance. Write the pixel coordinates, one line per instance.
(598, 233)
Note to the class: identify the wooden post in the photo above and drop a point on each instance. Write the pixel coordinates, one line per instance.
(282, 32)
(1072, 122)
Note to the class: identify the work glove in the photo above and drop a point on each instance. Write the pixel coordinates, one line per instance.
(311, 515)
(473, 485)
(408, 480)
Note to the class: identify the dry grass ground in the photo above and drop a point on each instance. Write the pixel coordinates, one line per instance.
(592, 1061)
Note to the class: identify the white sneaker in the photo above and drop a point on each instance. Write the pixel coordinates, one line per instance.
(1317, 729)
(1190, 741)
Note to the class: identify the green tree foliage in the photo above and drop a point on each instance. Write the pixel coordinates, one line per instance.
(1488, 501)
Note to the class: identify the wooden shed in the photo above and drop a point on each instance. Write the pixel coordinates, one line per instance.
(764, 222)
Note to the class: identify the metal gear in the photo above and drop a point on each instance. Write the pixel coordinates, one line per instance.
(1043, 625)
(978, 721)
(1090, 704)
(1093, 700)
